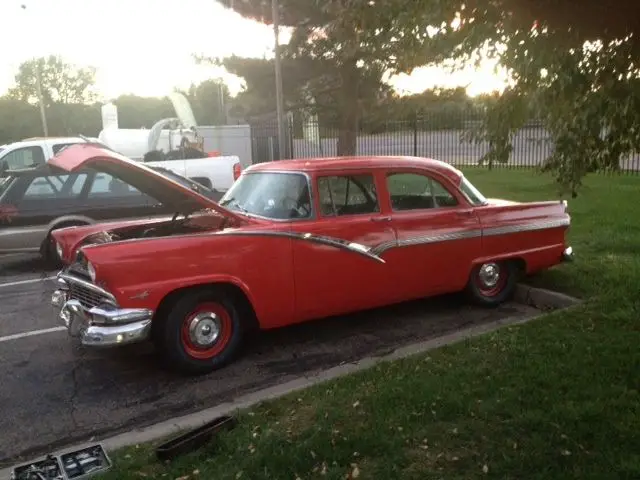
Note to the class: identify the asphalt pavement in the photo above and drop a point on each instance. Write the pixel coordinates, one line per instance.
(55, 393)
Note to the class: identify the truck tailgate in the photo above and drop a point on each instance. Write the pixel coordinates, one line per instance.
(220, 171)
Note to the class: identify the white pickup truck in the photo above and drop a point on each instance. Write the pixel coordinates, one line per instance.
(217, 173)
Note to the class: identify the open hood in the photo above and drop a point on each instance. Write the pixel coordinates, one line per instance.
(169, 192)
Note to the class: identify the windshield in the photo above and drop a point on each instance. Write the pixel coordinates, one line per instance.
(279, 196)
(472, 193)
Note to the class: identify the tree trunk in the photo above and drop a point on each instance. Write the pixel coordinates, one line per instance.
(349, 110)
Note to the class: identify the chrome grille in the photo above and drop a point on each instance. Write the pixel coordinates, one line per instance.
(87, 297)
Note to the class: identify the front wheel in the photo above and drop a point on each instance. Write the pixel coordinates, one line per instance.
(201, 333)
(492, 283)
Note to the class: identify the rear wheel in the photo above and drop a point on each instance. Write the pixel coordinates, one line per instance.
(492, 283)
(202, 332)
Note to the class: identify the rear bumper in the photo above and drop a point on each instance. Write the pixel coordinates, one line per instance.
(567, 254)
(99, 327)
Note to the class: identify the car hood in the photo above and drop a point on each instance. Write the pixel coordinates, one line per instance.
(154, 184)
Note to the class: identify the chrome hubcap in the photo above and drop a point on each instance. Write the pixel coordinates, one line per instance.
(489, 274)
(204, 329)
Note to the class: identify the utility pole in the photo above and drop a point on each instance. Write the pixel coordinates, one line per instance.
(43, 115)
(279, 102)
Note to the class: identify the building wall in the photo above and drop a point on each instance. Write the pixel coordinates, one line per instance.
(228, 140)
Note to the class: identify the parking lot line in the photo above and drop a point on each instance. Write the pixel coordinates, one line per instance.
(24, 282)
(31, 334)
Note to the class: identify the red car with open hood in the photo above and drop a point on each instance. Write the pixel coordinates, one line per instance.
(291, 241)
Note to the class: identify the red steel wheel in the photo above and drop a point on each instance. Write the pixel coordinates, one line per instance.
(206, 331)
(492, 283)
(491, 278)
(201, 331)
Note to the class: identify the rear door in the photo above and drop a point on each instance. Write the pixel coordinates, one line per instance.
(36, 201)
(330, 280)
(439, 234)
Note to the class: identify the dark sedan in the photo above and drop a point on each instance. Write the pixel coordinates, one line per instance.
(35, 201)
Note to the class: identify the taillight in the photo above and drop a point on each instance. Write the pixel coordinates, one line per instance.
(237, 170)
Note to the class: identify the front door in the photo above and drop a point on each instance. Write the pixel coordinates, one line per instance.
(337, 278)
(438, 233)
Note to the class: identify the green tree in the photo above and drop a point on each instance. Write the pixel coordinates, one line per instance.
(61, 82)
(574, 66)
(347, 47)
(209, 100)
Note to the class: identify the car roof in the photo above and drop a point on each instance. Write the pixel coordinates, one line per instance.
(309, 165)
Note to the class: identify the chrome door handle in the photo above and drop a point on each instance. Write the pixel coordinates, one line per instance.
(464, 213)
(380, 219)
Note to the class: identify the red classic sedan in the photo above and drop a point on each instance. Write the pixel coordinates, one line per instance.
(290, 241)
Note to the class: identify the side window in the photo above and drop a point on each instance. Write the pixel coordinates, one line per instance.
(347, 195)
(107, 186)
(55, 187)
(412, 191)
(23, 158)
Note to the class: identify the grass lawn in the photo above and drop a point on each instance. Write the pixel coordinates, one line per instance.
(555, 398)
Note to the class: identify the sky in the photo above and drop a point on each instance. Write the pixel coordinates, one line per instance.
(146, 47)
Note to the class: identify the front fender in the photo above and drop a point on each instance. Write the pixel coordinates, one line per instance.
(141, 273)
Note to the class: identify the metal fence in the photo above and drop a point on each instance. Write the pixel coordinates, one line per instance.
(423, 137)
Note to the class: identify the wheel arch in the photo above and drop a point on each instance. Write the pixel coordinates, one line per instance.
(237, 292)
(517, 258)
(62, 222)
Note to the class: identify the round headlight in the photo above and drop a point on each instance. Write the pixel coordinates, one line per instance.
(59, 251)
(91, 271)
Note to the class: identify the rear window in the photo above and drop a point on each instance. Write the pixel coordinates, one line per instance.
(55, 187)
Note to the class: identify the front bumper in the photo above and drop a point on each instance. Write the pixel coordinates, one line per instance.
(567, 254)
(102, 326)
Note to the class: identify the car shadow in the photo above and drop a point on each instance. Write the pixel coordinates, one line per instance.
(315, 344)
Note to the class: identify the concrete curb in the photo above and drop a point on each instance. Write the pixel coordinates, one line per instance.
(539, 298)
(543, 299)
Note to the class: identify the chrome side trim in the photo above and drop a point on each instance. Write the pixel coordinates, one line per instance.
(376, 251)
(68, 278)
(488, 232)
(426, 239)
(310, 237)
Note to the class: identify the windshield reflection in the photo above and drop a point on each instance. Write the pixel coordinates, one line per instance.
(273, 195)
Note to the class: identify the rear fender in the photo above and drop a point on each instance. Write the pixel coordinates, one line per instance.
(534, 232)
